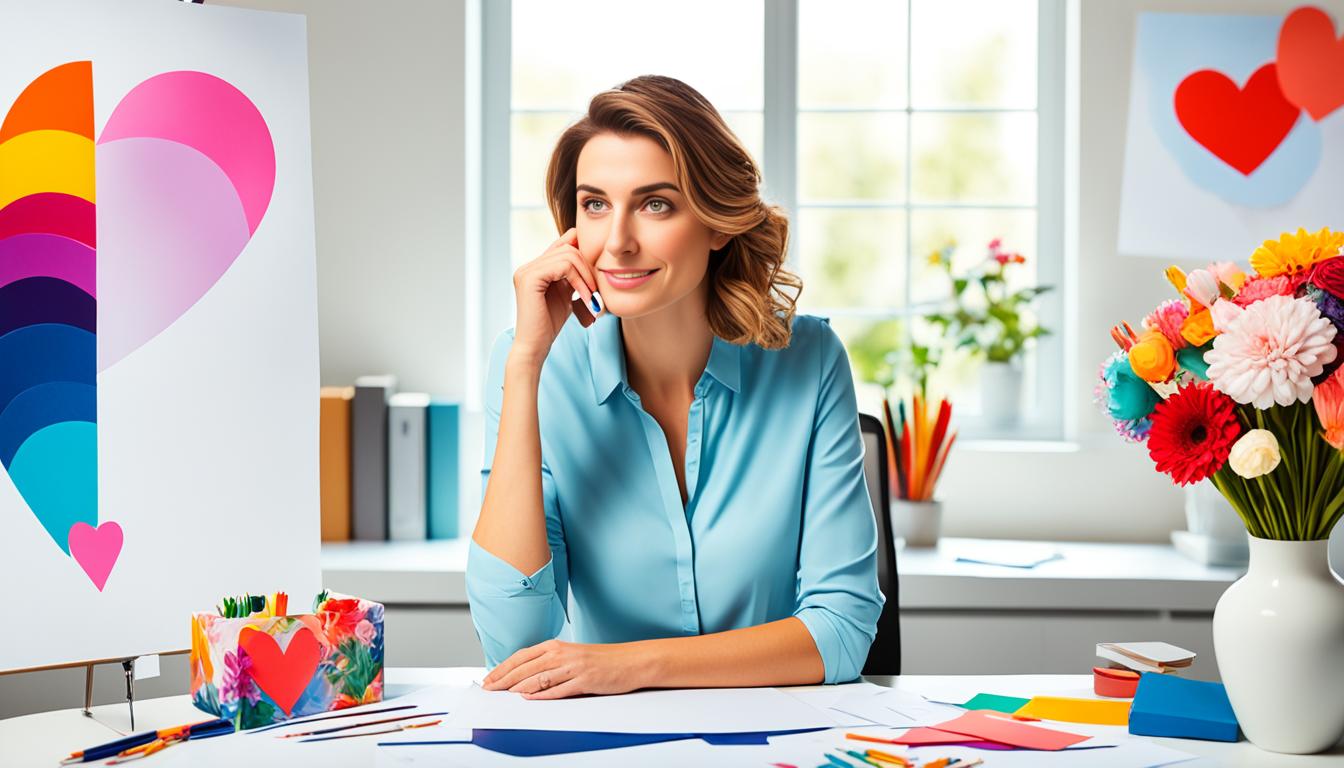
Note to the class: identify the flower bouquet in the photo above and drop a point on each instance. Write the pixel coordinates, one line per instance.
(1239, 381)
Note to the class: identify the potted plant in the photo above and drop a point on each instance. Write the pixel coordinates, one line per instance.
(988, 316)
(1239, 381)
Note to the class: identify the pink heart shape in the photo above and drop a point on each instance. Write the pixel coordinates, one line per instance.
(96, 549)
(186, 168)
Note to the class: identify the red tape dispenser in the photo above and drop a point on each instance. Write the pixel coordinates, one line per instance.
(1115, 683)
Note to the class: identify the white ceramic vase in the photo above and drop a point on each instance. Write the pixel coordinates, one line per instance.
(1001, 394)
(918, 522)
(1278, 633)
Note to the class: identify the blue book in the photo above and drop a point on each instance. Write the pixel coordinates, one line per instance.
(1166, 705)
(442, 468)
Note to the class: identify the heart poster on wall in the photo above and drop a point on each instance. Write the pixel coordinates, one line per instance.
(158, 322)
(1235, 132)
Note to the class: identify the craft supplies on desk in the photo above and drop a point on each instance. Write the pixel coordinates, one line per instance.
(199, 730)
(254, 664)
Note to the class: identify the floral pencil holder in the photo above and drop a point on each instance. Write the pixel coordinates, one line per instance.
(261, 670)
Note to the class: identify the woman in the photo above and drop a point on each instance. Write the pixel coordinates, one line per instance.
(687, 464)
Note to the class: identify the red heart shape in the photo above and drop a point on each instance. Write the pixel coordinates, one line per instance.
(283, 675)
(1311, 62)
(1240, 126)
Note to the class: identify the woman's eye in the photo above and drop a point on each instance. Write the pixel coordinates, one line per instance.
(663, 206)
(587, 203)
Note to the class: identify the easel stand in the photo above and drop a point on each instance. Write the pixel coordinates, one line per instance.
(127, 666)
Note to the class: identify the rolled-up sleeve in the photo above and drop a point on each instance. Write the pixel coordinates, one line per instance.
(510, 609)
(838, 596)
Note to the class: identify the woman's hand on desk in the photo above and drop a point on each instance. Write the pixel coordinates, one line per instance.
(556, 669)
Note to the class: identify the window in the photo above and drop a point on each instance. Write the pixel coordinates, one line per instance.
(885, 128)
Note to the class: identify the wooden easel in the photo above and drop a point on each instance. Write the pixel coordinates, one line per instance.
(127, 666)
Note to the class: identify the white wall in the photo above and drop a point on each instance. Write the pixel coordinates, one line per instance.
(389, 130)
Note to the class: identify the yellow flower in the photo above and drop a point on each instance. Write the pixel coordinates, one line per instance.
(1292, 253)
(1177, 278)
(1152, 357)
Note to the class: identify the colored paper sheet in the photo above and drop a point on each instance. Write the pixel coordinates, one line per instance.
(1070, 710)
(995, 727)
(994, 702)
(917, 737)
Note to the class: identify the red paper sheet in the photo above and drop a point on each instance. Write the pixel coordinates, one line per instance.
(983, 724)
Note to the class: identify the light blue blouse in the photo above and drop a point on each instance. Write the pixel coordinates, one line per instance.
(778, 521)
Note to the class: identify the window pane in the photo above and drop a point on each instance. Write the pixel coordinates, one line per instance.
(976, 53)
(532, 229)
(851, 157)
(750, 130)
(871, 343)
(971, 230)
(978, 158)
(533, 137)
(565, 52)
(851, 54)
(852, 258)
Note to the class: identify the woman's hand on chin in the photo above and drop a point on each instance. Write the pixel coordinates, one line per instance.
(556, 669)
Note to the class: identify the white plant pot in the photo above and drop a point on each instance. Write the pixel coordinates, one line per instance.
(1278, 633)
(1001, 394)
(918, 522)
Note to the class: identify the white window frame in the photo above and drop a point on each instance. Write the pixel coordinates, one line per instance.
(1046, 417)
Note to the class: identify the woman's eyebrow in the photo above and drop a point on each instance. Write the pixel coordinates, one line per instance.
(638, 190)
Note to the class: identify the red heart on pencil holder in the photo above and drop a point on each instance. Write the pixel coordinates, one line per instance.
(282, 675)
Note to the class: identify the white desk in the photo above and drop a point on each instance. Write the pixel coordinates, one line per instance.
(41, 739)
(955, 617)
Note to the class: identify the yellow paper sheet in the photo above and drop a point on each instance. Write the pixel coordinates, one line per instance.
(1066, 710)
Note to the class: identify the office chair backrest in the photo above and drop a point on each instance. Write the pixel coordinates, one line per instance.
(884, 658)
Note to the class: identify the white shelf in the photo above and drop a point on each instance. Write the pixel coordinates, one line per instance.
(1091, 576)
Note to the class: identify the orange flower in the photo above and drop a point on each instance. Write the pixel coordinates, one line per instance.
(1198, 328)
(1152, 358)
(1328, 398)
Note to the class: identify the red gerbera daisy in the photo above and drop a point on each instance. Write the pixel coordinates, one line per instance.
(1193, 432)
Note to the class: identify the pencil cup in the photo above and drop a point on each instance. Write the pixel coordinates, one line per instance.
(918, 522)
(261, 670)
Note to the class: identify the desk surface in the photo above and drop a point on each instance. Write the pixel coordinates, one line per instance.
(43, 738)
(1089, 576)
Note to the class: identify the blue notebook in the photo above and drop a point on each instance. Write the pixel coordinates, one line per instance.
(441, 468)
(1166, 705)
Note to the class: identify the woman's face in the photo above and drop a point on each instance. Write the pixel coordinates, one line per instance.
(632, 220)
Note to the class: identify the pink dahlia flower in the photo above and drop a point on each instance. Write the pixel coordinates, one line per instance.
(1270, 353)
(1168, 319)
(1260, 288)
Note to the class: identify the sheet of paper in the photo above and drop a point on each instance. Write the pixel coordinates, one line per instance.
(1069, 710)
(1015, 555)
(893, 707)
(434, 733)
(825, 696)
(1006, 731)
(702, 710)
(1005, 704)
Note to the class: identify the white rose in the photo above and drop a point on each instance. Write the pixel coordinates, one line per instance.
(1256, 453)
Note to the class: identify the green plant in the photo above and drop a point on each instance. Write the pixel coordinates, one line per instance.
(983, 313)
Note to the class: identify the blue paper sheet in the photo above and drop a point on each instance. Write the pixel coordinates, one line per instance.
(527, 743)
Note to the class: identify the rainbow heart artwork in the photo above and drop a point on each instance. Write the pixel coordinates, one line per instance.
(106, 240)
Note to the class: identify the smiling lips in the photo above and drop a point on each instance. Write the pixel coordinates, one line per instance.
(628, 278)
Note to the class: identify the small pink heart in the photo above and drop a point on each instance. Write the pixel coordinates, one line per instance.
(96, 549)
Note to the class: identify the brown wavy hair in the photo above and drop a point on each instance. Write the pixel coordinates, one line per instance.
(752, 298)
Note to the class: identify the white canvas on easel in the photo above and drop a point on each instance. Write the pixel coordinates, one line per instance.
(207, 421)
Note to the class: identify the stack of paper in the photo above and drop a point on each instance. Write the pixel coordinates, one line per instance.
(1147, 657)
